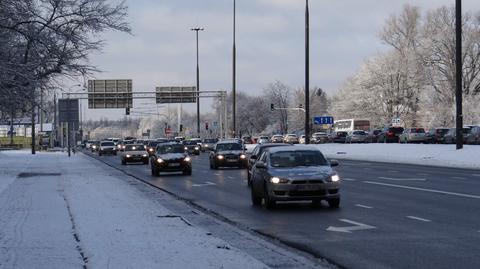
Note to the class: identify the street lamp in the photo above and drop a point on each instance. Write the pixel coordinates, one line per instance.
(307, 74)
(234, 71)
(458, 66)
(197, 29)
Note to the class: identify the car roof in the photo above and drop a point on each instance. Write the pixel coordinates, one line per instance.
(228, 142)
(273, 145)
(293, 148)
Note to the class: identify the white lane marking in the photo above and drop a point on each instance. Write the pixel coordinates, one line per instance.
(349, 179)
(217, 174)
(366, 168)
(357, 227)
(403, 179)
(426, 190)
(393, 171)
(423, 174)
(457, 177)
(208, 183)
(229, 177)
(476, 175)
(417, 218)
(364, 206)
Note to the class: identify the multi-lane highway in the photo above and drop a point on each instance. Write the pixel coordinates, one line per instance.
(391, 215)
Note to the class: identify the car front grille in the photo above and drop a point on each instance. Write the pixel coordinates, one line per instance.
(307, 193)
(314, 181)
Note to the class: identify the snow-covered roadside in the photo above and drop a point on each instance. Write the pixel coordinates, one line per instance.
(433, 155)
(117, 225)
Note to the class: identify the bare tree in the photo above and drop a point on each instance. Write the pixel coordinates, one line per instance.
(279, 94)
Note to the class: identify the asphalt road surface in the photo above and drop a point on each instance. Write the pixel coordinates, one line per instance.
(391, 215)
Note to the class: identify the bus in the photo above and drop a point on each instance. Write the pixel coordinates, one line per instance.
(350, 125)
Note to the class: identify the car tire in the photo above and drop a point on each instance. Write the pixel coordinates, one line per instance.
(187, 172)
(99, 154)
(334, 202)
(269, 203)
(256, 200)
(124, 162)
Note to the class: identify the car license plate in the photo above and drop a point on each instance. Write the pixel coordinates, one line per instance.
(173, 164)
(231, 160)
(307, 188)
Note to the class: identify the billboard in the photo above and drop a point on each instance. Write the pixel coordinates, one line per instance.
(114, 93)
(172, 95)
(68, 110)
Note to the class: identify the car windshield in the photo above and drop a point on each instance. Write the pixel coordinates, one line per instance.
(359, 133)
(262, 149)
(165, 149)
(153, 143)
(134, 147)
(229, 146)
(210, 140)
(107, 144)
(297, 158)
(190, 142)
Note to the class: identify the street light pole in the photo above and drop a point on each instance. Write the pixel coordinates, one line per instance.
(234, 77)
(307, 74)
(197, 29)
(458, 66)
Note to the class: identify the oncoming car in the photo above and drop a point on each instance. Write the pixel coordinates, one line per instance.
(134, 153)
(191, 146)
(170, 157)
(228, 154)
(294, 173)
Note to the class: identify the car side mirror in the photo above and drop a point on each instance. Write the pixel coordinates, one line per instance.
(334, 163)
(260, 165)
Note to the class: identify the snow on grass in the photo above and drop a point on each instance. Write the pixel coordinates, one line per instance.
(422, 154)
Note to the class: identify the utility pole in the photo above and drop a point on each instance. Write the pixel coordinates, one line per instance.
(234, 77)
(197, 29)
(458, 65)
(307, 74)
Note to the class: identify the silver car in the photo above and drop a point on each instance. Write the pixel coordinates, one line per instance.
(413, 135)
(294, 173)
(358, 136)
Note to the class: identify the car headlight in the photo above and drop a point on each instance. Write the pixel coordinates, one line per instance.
(197, 148)
(94, 147)
(277, 180)
(128, 155)
(186, 148)
(150, 149)
(159, 160)
(187, 159)
(335, 178)
(220, 157)
(145, 155)
(242, 156)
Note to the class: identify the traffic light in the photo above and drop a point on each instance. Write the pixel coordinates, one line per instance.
(272, 107)
(127, 111)
(206, 125)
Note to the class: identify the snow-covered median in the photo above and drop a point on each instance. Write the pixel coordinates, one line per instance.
(434, 155)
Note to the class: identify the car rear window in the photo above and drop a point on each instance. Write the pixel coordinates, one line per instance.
(417, 130)
(442, 131)
(134, 147)
(165, 149)
(297, 158)
(210, 140)
(229, 146)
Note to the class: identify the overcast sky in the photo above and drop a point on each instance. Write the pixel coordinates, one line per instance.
(270, 42)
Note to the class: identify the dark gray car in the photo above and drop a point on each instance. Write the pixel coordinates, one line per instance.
(294, 173)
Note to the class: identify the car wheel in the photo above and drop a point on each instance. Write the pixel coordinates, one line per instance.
(124, 162)
(187, 172)
(334, 203)
(269, 203)
(256, 200)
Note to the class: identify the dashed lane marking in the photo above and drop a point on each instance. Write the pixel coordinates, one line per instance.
(230, 177)
(349, 179)
(457, 177)
(423, 174)
(208, 183)
(476, 175)
(364, 206)
(393, 171)
(417, 218)
(403, 179)
(425, 190)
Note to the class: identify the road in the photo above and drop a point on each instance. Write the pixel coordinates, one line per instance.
(391, 215)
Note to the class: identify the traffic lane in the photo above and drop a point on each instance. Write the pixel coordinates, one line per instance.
(300, 223)
(454, 180)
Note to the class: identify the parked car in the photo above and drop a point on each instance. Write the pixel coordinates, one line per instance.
(247, 139)
(413, 135)
(451, 136)
(390, 135)
(134, 153)
(107, 147)
(302, 139)
(320, 138)
(277, 139)
(374, 135)
(291, 139)
(192, 147)
(357, 136)
(228, 154)
(208, 144)
(170, 157)
(339, 137)
(294, 173)
(474, 137)
(436, 135)
(257, 152)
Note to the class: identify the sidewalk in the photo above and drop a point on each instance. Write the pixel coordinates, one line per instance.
(60, 212)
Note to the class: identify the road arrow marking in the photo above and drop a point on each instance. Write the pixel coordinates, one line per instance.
(417, 218)
(208, 183)
(358, 227)
(403, 179)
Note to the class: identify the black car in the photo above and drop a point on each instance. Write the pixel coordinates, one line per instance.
(257, 152)
(191, 146)
(294, 173)
(152, 145)
(390, 135)
(208, 144)
(228, 154)
(340, 137)
(170, 157)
